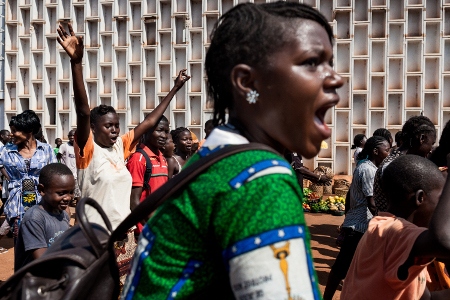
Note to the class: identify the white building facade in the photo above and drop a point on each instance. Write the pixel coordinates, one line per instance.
(392, 54)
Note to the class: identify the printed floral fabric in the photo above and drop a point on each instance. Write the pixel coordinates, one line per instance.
(17, 170)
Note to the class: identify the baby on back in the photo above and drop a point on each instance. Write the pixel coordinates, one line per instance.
(392, 257)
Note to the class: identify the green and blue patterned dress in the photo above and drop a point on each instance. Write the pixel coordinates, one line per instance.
(237, 231)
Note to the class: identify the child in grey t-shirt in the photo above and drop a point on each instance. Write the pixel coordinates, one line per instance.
(44, 222)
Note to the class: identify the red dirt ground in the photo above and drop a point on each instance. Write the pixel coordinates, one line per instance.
(323, 236)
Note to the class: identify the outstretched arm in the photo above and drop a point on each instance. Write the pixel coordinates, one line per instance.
(74, 48)
(153, 117)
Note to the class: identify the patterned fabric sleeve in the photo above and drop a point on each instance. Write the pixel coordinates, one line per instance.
(275, 263)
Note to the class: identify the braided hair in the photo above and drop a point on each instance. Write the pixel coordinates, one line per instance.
(414, 128)
(248, 34)
(372, 143)
(384, 133)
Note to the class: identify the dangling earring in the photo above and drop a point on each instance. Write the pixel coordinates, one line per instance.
(252, 97)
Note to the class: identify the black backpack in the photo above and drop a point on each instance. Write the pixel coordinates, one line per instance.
(81, 263)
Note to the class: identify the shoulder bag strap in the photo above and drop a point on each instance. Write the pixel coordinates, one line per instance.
(148, 169)
(145, 208)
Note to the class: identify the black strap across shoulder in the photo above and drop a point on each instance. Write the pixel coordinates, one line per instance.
(145, 208)
(148, 169)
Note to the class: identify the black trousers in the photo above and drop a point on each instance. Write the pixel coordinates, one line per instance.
(348, 249)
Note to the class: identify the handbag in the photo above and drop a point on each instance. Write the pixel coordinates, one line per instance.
(81, 263)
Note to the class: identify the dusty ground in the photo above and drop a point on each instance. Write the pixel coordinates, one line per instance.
(323, 240)
(323, 235)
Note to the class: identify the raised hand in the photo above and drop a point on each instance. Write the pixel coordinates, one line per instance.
(181, 79)
(71, 43)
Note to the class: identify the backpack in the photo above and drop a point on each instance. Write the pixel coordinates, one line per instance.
(81, 263)
(148, 169)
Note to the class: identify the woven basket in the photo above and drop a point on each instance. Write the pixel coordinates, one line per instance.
(317, 189)
(324, 171)
(327, 189)
(306, 183)
(341, 192)
(339, 183)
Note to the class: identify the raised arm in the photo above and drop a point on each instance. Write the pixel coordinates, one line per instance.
(153, 117)
(73, 45)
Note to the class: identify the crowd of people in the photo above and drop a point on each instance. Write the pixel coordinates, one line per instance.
(238, 230)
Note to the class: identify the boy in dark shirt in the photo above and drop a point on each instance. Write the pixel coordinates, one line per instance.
(44, 222)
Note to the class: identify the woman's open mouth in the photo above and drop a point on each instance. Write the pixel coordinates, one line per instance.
(319, 119)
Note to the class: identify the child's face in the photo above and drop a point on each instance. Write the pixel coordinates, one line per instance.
(157, 139)
(58, 142)
(58, 193)
(297, 87)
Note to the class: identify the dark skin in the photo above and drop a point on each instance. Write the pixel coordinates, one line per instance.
(377, 155)
(25, 141)
(421, 146)
(58, 142)
(183, 150)
(317, 178)
(154, 140)
(428, 210)
(208, 130)
(105, 131)
(5, 138)
(71, 136)
(55, 198)
(299, 74)
(168, 153)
